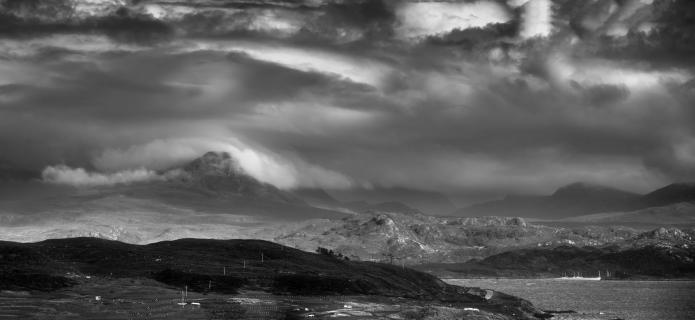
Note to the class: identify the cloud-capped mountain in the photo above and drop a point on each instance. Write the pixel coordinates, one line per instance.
(219, 174)
(216, 183)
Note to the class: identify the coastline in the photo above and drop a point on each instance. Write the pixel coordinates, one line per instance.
(560, 279)
(600, 300)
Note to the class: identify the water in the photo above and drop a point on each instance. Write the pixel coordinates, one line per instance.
(629, 300)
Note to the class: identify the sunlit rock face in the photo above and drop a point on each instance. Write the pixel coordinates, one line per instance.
(214, 163)
(222, 175)
(666, 238)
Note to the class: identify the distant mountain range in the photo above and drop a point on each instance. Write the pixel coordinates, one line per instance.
(216, 182)
(580, 199)
(673, 203)
(213, 197)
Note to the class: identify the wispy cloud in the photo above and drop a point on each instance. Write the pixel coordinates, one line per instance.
(79, 177)
(356, 69)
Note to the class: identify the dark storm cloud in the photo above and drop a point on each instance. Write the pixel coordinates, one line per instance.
(337, 94)
(154, 21)
(472, 37)
(126, 91)
(35, 18)
(155, 86)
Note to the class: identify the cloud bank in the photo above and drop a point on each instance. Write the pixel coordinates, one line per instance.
(476, 97)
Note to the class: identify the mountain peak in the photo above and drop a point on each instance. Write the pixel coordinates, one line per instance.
(221, 174)
(214, 164)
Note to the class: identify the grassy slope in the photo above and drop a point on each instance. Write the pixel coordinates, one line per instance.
(200, 263)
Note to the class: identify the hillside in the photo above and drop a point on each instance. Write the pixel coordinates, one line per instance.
(673, 193)
(227, 267)
(660, 253)
(414, 238)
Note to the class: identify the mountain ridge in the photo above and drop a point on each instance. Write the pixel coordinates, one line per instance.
(580, 199)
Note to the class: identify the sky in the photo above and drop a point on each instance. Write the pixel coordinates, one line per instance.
(462, 97)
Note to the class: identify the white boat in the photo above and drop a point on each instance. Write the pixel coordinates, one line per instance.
(184, 298)
(578, 276)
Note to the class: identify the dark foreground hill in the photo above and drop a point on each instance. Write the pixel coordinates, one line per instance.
(230, 266)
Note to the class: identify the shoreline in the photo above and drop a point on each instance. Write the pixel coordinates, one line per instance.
(521, 278)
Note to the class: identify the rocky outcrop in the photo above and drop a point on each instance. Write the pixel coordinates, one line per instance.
(664, 237)
(413, 238)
